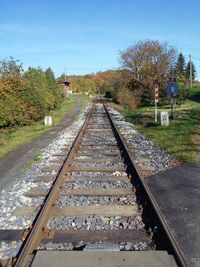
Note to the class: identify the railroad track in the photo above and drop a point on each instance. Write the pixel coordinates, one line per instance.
(97, 199)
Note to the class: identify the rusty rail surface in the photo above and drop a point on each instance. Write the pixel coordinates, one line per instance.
(175, 247)
(39, 227)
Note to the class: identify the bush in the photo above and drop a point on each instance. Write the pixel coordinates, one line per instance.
(108, 94)
(126, 97)
(26, 97)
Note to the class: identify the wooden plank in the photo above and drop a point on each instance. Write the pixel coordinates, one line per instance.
(144, 160)
(100, 148)
(82, 192)
(36, 192)
(25, 211)
(92, 153)
(98, 160)
(10, 235)
(71, 236)
(45, 179)
(50, 169)
(60, 155)
(97, 192)
(98, 169)
(59, 161)
(148, 168)
(98, 144)
(114, 235)
(98, 179)
(99, 129)
(85, 210)
(96, 126)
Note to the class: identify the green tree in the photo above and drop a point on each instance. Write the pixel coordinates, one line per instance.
(37, 94)
(82, 84)
(26, 96)
(180, 66)
(11, 68)
(14, 110)
(187, 71)
(54, 90)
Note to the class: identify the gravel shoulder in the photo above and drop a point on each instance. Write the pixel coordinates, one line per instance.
(13, 164)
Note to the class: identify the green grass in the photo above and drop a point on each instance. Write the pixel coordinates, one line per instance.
(12, 138)
(181, 137)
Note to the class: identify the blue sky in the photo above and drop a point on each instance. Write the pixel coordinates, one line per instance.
(86, 36)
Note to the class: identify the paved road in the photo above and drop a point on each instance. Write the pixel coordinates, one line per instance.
(13, 163)
(177, 192)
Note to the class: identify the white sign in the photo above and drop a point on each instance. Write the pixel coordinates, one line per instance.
(164, 118)
(48, 121)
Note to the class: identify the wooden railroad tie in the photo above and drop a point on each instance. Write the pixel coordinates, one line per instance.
(82, 192)
(71, 236)
(98, 169)
(84, 210)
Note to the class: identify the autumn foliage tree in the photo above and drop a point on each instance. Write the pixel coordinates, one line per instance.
(25, 96)
(149, 62)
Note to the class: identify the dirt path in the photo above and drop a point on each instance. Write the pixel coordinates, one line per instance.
(14, 162)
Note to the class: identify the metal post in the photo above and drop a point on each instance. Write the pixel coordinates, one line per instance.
(65, 74)
(171, 104)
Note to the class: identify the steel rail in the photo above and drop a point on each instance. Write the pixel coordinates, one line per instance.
(39, 226)
(176, 249)
(36, 234)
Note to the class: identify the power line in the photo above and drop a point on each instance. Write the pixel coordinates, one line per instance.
(192, 57)
(196, 58)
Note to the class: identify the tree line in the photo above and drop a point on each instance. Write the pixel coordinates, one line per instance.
(26, 96)
(183, 70)
(142, 65)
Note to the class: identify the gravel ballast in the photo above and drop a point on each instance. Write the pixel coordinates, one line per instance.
(147, 156)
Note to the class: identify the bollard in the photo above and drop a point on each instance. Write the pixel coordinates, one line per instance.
(48, 121)
(164, 118)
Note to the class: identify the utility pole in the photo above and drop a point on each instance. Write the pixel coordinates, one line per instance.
(190, 71)
(65, 74)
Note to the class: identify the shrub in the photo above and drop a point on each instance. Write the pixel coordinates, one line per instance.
(126, 97)
(26, 97)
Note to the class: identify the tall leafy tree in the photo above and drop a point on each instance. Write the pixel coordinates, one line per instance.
(149, 62)
(187, 71)
(180, 66)
(55, 91)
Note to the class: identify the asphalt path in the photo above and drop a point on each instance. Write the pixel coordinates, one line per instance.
(177, 193)
(13, 164)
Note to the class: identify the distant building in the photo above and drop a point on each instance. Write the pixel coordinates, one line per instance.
(67, 90)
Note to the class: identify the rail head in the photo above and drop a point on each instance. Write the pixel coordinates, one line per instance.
(36, 233)
(175, 247)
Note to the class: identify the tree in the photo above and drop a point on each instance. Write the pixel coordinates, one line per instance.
(187, 71)
(149, 62)
(14, 110)
(180, 66)
(82, 84)
(26, 96)
(54, 90)
(10, 68)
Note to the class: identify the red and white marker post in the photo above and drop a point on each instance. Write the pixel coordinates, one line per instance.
(156, 101)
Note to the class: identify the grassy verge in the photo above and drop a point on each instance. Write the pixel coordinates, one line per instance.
(181, 137)
(12, 138)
